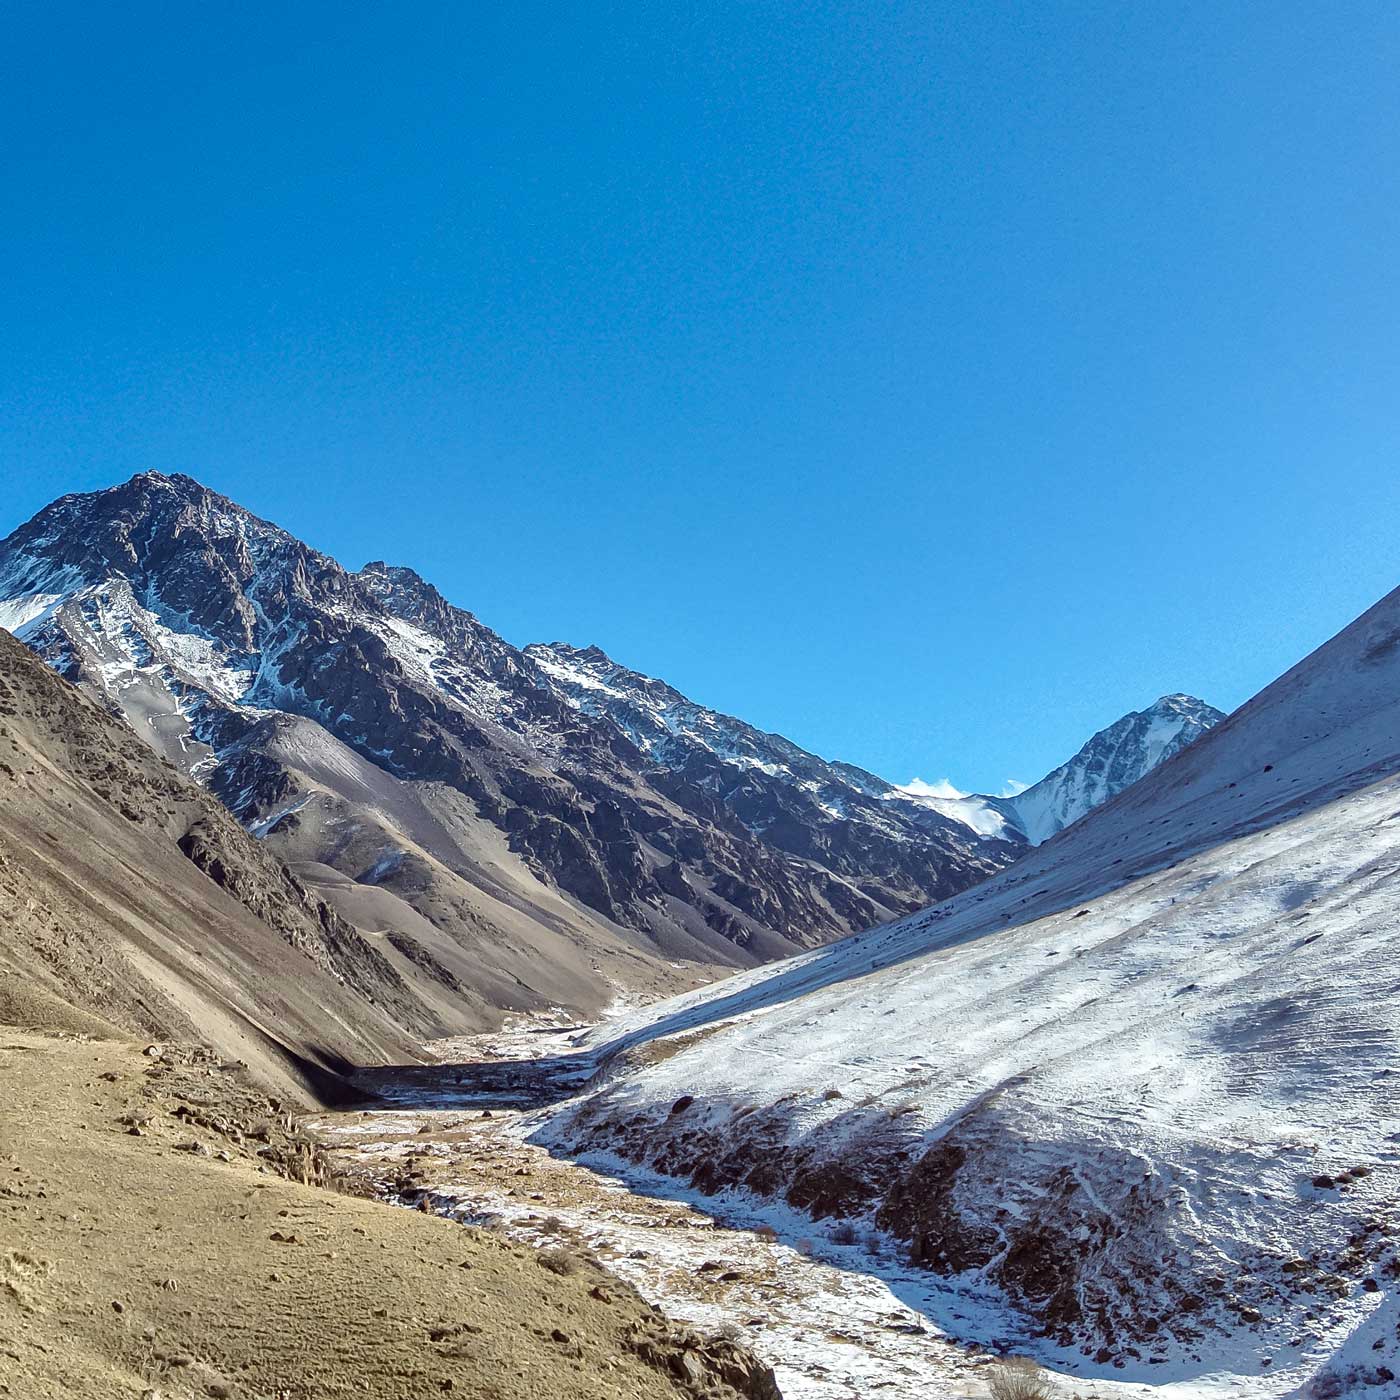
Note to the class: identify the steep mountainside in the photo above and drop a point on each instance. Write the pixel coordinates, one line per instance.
(850, 820)
(130, 898)
(1137, 1088)
(801, 802)
(427, 775)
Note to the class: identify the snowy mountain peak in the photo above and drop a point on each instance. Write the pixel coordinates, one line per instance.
(1113, 760)
(1188, 709)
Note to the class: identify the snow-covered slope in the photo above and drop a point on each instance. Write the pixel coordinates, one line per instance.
(1114, 759)
(1138, 1090)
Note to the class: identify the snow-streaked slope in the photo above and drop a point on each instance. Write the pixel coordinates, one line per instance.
(1114, 759)
(198, 622)
(1139, 1088)
(737, 760)
(751, 767)
(666, 726)
(853, 822)
(747, 766)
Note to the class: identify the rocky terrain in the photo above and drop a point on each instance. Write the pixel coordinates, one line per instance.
(515, 829)
(166, 1231)
(166, 1228)
(848, 820)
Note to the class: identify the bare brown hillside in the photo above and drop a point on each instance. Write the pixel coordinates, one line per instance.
(165, 1232)
(150, 1246)
(130, 898)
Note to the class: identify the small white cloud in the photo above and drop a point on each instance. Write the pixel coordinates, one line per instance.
(916, 787)
(1012, 787)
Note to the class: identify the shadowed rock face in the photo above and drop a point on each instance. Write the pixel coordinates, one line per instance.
(203, 624)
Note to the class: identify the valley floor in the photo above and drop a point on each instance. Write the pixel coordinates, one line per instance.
(836, 1321)
(829, 1334)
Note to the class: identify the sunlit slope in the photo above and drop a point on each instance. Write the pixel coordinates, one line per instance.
(1140, 1086)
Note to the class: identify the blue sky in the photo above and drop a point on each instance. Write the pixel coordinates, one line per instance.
(931, 383)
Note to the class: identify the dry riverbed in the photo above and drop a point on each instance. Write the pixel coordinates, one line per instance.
(815, 1310)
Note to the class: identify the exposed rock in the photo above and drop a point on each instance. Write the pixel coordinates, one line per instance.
(172, 597)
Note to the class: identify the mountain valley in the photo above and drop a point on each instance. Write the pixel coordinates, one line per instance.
(1136, 1091)
(516, 829)
(1099, 1071)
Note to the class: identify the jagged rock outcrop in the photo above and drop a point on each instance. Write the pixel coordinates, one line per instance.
(206, 627)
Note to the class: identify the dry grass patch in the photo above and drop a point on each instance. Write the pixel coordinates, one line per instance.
(1018, 1378)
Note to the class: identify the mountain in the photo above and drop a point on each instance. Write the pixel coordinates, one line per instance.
(532, 828)
(440, 788)
(130, 898)
(1114, 759)
(1130, 1103)
(134, 909)
(848, 819)
(786, 794)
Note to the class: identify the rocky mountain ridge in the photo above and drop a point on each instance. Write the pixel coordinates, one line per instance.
(541, 825)
(132, 899)
(750, 767)
(376, 734)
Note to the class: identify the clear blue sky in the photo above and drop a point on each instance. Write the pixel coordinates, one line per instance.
(929, 382)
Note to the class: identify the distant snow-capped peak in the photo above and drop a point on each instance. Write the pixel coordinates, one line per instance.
(1113, 760)
(671, 730)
